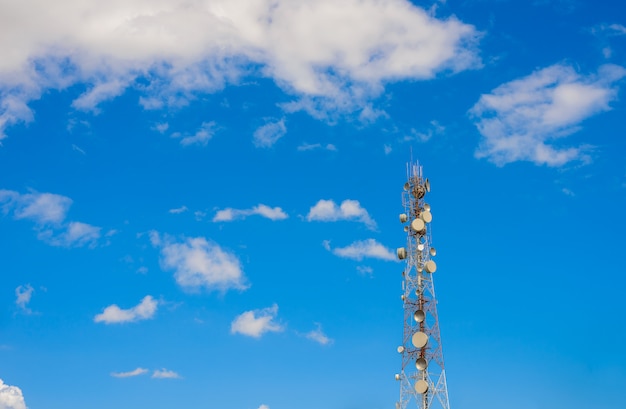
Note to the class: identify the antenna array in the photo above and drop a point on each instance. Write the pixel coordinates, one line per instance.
(423, 376)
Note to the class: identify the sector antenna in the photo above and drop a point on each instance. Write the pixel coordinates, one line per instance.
(422, 377)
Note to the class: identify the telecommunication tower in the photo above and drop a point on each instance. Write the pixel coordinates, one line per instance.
(423, 377)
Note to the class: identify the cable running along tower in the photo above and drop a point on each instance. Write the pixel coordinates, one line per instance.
(423, 378)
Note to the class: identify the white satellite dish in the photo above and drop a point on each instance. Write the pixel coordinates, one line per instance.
(421, 364)
(406, 228)
(420, 247)
(419, 316)
(431, 266)
(419, 339)
(397, 377)
(401, 252)
(403, 218)
(400, 349)
(420, 269)
(402, 297)
(433, 251)
(427, 216)
(407, 186)
(418, 225)
(427, 207)
(421, 386)
(427, 185)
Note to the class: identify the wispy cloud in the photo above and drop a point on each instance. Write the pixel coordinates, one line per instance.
(256, 322)
(202, 136)
(359, 250)
(434, 128)
(178, 210)
(129, 374)
(318, 335)
(230, 214)
(523, 119)
(11, 397)
(199, 263)
(315, 146)
(165, 374)
(329, 211)
(115, 315)
(23, 294)
(267, 135)
(49, 212)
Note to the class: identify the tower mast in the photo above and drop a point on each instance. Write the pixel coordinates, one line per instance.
(423, 376)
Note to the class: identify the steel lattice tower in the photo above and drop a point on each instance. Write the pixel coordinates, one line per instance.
(423, 377)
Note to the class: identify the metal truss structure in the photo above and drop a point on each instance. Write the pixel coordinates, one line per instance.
(423, 377)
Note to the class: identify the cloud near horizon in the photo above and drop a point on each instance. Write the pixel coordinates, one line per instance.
(327, 55)
(359, 250)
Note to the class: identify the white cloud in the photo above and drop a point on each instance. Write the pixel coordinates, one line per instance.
(115, 315)
(335, 54)
(179, 210)
(202, 136)
(424, 136)
(359, 250)
(42, 208)
(387, 149)
(229, 214)
(365, 270)
(199, 263)
(318, 335)
(314, 146)
(75, 234)
(11, 397)
(264, 407)
(23, 295)
(49, 212)
(257, 322)
(523, 119)
(568, 192)
(165, 374)
(329, 211)
(134, 372)
(267, 135)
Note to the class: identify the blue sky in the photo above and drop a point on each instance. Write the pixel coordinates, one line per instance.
(199, 200)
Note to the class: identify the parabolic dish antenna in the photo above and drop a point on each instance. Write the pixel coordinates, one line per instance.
(426, 207)
(421, 386)
(427, 185)
(420, 247)
(430, 266)
(401, 252)
(433, 251)
(403, 218)
(419, 316)
(407, 186)
(421, 364)
(400, 349)
(418, 225)
(427, 216)
(419, 339)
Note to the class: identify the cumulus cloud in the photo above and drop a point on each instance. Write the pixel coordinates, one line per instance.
(526, 119)
(329, 211)
(199, 263)
(23, 295)
(256, 322)
(318, 335)
(134, 372)
(49, 211)
(268, 134)
(359, 250)
(165, 374)
(334, 55)
(230, 214)
(11, 397)
(115, 315)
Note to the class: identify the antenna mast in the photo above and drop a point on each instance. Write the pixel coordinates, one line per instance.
(423, 376)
